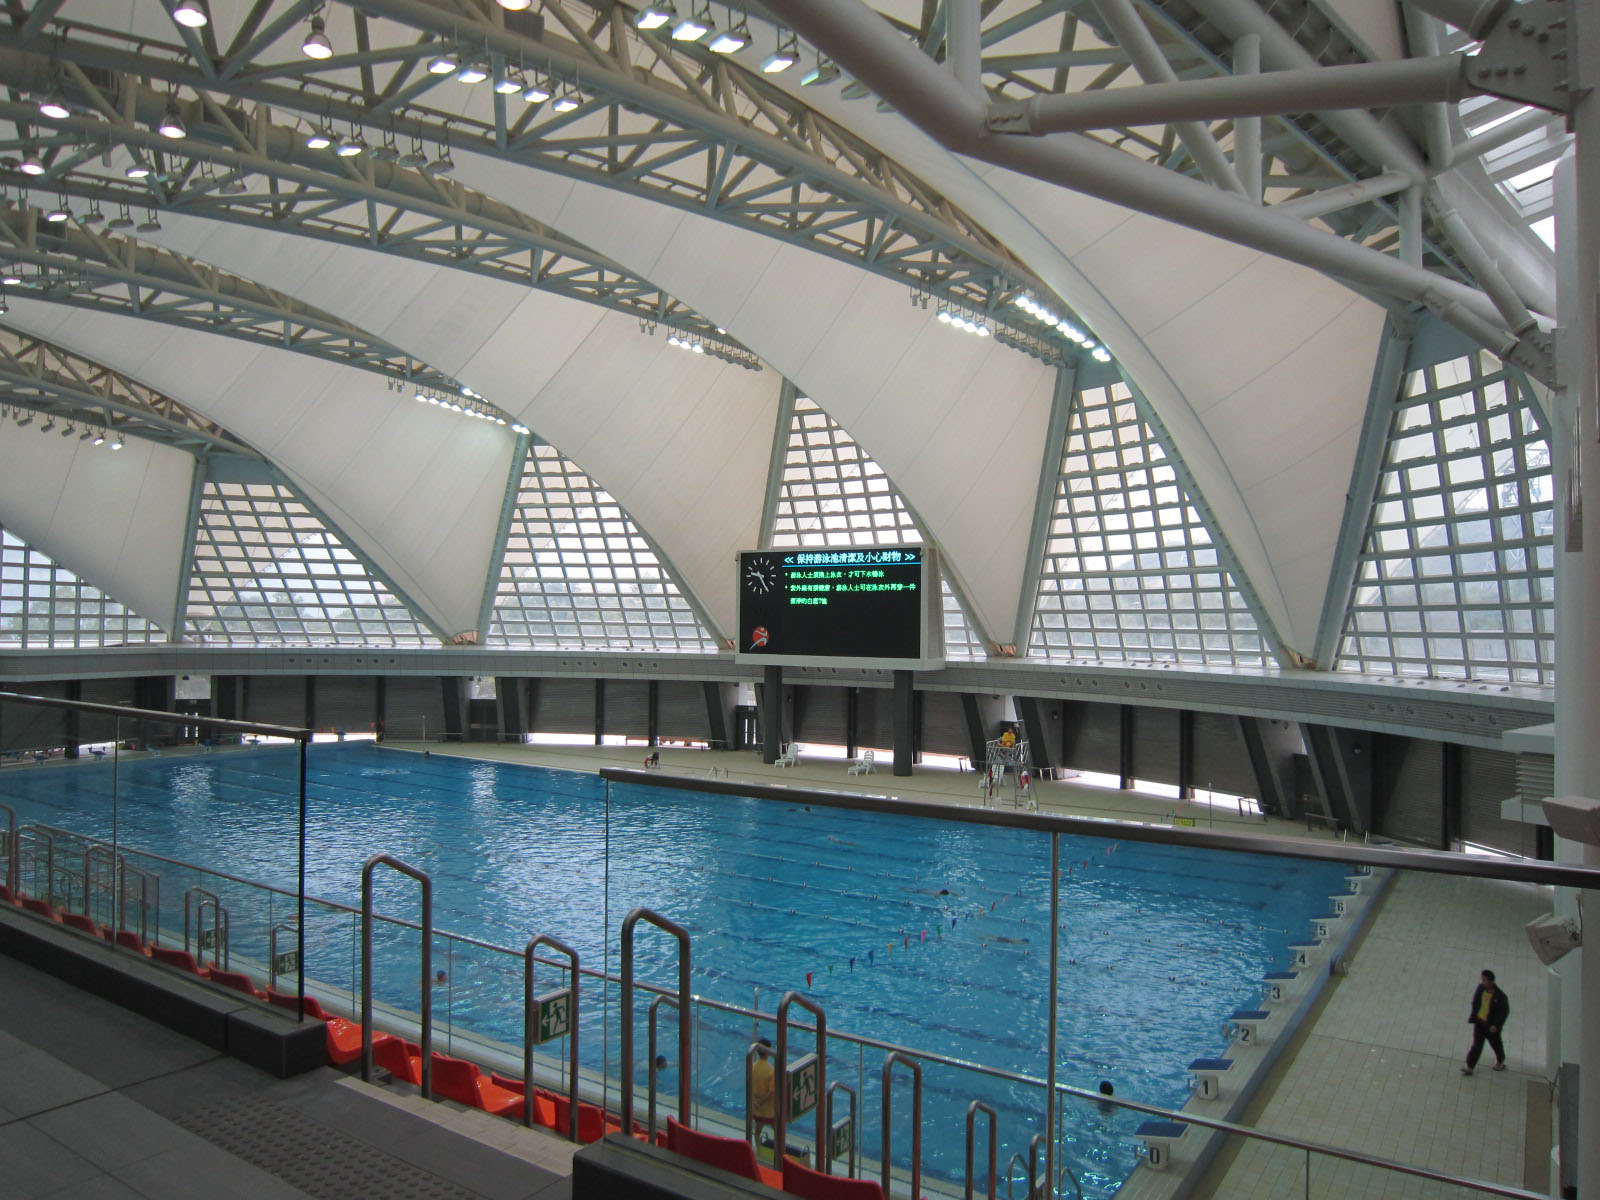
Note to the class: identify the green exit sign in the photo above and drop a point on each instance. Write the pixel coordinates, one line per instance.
(286, 963)
(801, 1081)
(840, 1138)
(554, 1011)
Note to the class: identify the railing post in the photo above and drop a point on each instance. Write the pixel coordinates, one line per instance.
(973, 1109)
(425, 1002)
(626, 1066)
(895, 1056)
(781, 1082)
(535, 1030)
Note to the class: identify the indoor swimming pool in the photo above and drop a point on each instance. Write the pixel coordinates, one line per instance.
(932, 936)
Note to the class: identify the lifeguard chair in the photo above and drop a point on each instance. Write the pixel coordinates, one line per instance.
(1008, 762)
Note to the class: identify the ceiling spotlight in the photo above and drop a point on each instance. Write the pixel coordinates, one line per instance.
(510, 84)
(68, 431)
(319, 139)
(784, 57)
(317, 44)
(444, 64)
(121, 221)
(514, 5)
(414, 157)
(233, 185)
(442, 165)
(654, 16)
(694, 27)
(117, 445)
(150, 224)
(536, 93)
(5, 307)
(54, 106)
(172, 123)
(25, 418)
(566, 102)
(100, 439)
(386, 150)
(189, 14)
(10, 278)
(475, 71)
(350, 145)
(59, 213)
(731, 41)
(136, 170)
(826, 71)
(519, 428)
(30, 164)
(49, 424)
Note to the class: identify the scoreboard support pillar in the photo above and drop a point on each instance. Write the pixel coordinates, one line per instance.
(904, 722)
(771, 714)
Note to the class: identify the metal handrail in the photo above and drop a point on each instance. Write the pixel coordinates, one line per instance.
(627, 985)
(915, 1067)
(425, 1000)
(531, 1006)
(973, 1109)
(650, 1054)
(780, 1107)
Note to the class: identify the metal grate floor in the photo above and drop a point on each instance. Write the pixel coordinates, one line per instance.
(319, 1161)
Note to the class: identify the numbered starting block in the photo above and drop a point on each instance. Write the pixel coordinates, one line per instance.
(1355, 882)
(1275, 983)
(1323, 927)
(1340, 905)
(1159, 1137)
(1208, 1073)
(1300, 954)
(1246, 1024)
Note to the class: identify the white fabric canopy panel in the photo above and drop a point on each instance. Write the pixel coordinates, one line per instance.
(413, 489)
(118, 519)
(681, 441)
(1165, 299)
(957, 421)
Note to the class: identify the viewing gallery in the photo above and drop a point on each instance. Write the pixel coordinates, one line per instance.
(849, 598)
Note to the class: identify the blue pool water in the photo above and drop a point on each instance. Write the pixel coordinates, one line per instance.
(924, 934)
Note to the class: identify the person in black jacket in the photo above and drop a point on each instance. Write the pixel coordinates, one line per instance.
(1490, 1008)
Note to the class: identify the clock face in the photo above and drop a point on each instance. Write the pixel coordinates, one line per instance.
(761, 577)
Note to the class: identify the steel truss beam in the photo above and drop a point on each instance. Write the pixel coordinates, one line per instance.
(109, 273)
(45, 377)
(698, 135)
(244, 169)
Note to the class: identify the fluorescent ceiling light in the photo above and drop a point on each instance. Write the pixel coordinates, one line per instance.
(654, 16)
(317, 44)
(189, 14)
(691, 29)
(826, 71)
(172, 123)
(731, 41)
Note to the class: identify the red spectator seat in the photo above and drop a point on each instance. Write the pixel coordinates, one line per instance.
(801, 1180)
(400, 1059)
(40, 907)
(730, 1154)
(181, 960)
(129, 940)
(82, 922)
(461, 1081)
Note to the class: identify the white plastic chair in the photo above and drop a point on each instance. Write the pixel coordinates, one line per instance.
(790, 754)
(862, 765)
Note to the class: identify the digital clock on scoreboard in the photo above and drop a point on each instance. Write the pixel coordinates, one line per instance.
(864, 607)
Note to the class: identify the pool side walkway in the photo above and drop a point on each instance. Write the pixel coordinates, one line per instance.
(96, 1102)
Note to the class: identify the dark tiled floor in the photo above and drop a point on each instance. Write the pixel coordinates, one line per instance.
(99, 1104)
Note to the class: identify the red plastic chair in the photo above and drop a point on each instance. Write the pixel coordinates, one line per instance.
(82, 922)
(40, 907)
(237, 980)
(129, 940)
(310, 1005)
(730, 1154)
(461, 1081)
(399, 1058)
(801, 1180)
(7, 896)
(591, 1121)
(180, 960)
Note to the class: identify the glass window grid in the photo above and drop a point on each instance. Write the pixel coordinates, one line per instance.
(834, 494)
(267, 572)
(45, 606)
(1457, 575)
(577, 572)
(1130, 572)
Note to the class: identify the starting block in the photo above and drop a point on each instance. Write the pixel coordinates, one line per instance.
(1208, 1073)
(1322, 927)
(1247, 1024)
(1159, 1137)
(1300, 954)
(1273, 984)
